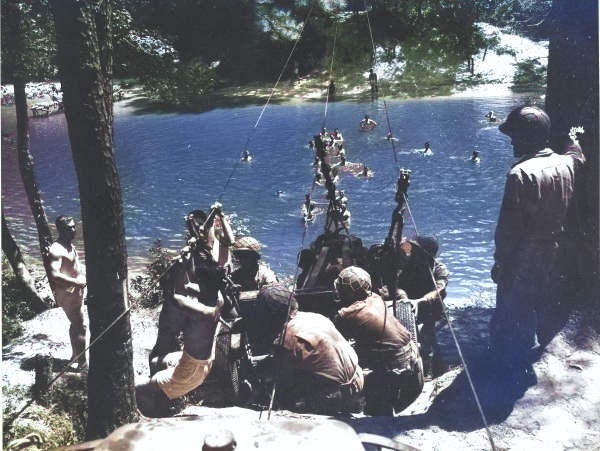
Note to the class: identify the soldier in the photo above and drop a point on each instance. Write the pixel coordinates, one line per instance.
(67, 277)
(538, 193)
(318, 370)
(383, 344)
(251, 274)
(423, 279)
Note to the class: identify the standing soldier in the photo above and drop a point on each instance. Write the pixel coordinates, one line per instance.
(68, 284)
(537, 195)
(373, 82)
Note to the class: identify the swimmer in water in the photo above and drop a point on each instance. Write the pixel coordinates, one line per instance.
(475, 157)
(246, 156)
(490, 115)
(368, 123)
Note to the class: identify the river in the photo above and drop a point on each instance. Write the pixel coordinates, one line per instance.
(170, 164)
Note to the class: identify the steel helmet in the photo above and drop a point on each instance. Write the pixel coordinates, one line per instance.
(429, 243)
(247, 243)
(353, 283)
(276, 297)
(529, 120)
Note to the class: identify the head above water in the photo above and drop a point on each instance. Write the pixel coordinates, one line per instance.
(528, 128)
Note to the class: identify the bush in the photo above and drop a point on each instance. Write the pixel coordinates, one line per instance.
(60, 425)
(15, 309)
(149, 287)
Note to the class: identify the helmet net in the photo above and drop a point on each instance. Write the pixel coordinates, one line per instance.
(353, 283)
(247, 243)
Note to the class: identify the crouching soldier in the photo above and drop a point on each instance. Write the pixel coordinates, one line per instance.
(383, 344)
(424, 279)
(317, 369)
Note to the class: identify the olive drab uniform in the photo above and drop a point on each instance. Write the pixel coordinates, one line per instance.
(383, 345)
(539, 190)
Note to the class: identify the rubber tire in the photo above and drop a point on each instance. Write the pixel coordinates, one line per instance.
(414, 383)
(226, 368)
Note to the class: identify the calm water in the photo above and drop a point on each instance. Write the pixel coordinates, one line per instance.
(170, 164)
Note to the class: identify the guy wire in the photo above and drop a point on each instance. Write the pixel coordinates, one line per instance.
(488, 431)
(93, 342)
(284, 331)
(267, 103)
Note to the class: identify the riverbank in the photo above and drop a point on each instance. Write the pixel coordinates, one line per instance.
(560, 411)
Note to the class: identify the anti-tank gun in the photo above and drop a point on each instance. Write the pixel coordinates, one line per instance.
(331, 252)
(386, 260)
(337, 249)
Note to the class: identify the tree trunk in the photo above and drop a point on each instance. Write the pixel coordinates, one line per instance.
(572, 100)
(26, 168)
(85, 69)
(15, 258)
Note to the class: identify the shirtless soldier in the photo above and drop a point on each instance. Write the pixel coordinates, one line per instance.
(68, 284)
(196, 296)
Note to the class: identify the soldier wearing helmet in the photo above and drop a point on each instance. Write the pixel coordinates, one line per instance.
(383, 344)
(423, 279)
(250, 274)
(318, 371)
(538, 192)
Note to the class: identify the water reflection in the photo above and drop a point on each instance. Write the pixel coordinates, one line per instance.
(170, 164)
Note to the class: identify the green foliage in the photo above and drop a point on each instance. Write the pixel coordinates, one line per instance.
(530, 76)
(28, 42)
(56, 426)
(431, 66)
(524, 16)
(178, 83)
(69, 395)
(15, 309)
(150, 287)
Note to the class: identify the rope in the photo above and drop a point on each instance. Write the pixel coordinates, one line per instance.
(320, 150)
(92, 343)
(483, 417)
(330, 73)
(374, 57)
(284, 331)
(235, 166)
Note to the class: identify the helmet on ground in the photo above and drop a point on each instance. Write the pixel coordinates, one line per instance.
(429, 243)
(529, 120)
(353, 283)
(247, 243)
(276, 297)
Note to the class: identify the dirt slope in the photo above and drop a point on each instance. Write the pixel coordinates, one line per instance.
(561, 411)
